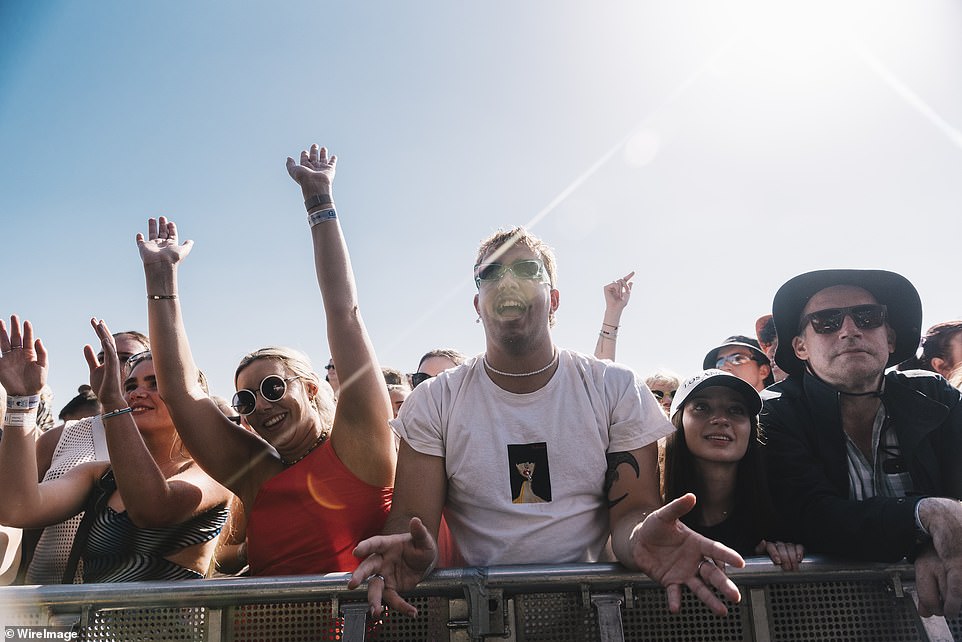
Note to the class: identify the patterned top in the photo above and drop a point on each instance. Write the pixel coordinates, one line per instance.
(118, 551)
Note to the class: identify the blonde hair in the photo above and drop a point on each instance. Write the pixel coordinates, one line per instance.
(298, 364)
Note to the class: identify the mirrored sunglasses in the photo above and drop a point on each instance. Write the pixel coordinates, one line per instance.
(273, 388)
(829, 320)
(736, 359)
(418, 378)
(529, 269)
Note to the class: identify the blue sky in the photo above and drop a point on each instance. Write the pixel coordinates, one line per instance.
(718, 149)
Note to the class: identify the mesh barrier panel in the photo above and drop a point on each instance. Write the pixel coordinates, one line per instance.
(867, 611)
(554, 617)
(562, 617)
(312, 622)
(650, 620)
(956, 627)
(147, 625)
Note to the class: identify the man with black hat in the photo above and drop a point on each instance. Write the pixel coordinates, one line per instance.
(865, 464)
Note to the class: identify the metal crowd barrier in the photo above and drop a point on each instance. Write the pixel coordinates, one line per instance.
(825, 600)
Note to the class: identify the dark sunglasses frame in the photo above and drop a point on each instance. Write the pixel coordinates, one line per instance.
(240, 406)
(660, 394)
(419, 377)
(493, 272)
(867, 316)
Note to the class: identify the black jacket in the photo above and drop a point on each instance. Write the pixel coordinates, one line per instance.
(808, 466)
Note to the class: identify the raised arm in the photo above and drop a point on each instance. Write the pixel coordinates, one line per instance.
(655, 541)
(151, 498)
(617, 295)
(25, 502)
(236, 458)
(361, 436)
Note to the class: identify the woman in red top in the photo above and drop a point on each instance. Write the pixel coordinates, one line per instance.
(314, 480)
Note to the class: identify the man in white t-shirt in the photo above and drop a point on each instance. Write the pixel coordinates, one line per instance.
(535, 454)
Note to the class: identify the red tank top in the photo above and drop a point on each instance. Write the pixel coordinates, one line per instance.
(307, 519)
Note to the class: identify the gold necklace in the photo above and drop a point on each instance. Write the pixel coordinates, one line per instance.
(317, 442)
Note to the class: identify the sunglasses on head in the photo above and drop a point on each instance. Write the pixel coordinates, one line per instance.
(661, 394)
(530, 269)
(131, 361)
(418, 378)
(829, 320)
(272, 388)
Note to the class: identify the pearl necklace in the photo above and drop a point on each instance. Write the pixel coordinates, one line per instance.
(554, 358)
(317, 442)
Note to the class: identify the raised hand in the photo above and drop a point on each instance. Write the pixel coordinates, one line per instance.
(161, 245)
(672, 554)
(23, 360)
(394, 563)
(618, 293)
(106, 375)
(315, 173)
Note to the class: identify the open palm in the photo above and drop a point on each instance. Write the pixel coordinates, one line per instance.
(161, 244)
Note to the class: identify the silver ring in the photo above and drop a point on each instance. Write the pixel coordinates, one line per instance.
(703, 561)
(377, 575)
(20, 347)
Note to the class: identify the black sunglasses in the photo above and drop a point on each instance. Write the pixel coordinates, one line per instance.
(418, 378)
(866, 317)
(273, 388)
(660, 394)
(532, 269)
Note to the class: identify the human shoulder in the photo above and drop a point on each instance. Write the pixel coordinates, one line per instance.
(599, 369)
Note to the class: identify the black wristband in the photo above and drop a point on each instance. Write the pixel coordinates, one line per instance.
(317, 200)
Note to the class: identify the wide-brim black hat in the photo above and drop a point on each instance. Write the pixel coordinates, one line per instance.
(890, 289)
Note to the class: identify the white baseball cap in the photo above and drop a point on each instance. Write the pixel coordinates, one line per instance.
(715, 377)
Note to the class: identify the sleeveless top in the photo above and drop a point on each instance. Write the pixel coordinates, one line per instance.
(80, 442)
(118, 551)
(309, 518)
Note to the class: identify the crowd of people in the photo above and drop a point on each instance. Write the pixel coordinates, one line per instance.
(836, 429)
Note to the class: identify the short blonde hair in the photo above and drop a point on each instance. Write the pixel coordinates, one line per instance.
(298, 364)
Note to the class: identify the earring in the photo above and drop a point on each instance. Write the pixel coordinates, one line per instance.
(478, 320)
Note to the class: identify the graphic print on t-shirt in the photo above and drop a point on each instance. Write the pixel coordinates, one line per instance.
(528, 471)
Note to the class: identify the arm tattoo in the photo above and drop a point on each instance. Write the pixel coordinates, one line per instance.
(611, 475)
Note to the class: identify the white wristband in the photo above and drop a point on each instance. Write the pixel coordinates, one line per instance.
(25, 402)
(21, 419)
(321, 216)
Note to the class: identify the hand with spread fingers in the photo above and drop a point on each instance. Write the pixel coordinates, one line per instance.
(394, 563)
(161, 245)
(314, 173)
(108, 374)
(23, 360)
(674, 555)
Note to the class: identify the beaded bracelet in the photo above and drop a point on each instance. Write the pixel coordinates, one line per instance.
(116, 413)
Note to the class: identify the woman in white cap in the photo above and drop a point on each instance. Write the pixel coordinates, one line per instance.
(715, 454)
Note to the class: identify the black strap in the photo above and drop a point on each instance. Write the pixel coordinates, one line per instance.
(96, 501)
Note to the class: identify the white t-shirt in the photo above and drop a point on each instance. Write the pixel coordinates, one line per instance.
(526, 472)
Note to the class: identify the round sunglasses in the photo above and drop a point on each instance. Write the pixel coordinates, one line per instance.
(272, 388)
